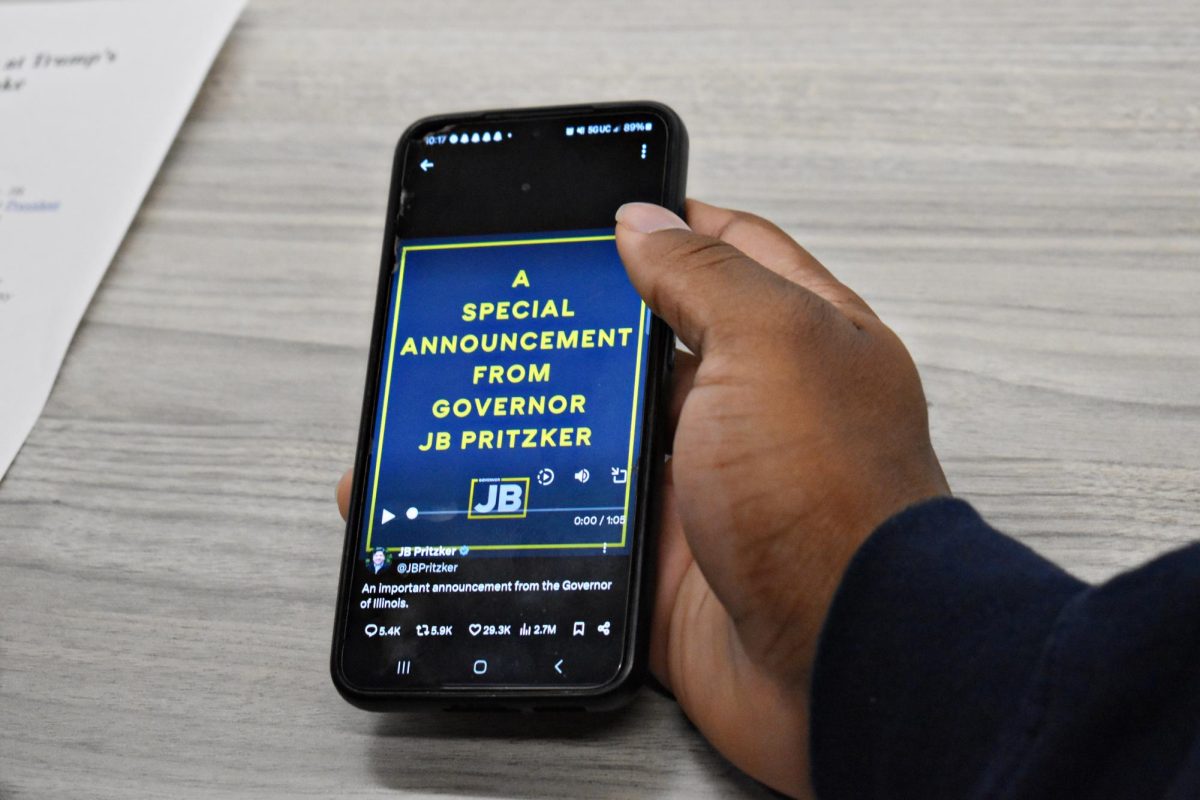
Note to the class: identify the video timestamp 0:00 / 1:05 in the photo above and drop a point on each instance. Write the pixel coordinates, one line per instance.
(598, 520)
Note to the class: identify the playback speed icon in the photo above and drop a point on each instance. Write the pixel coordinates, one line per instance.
(545, 476)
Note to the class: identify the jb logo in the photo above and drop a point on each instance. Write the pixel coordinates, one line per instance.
(498, 498)
(503, 498)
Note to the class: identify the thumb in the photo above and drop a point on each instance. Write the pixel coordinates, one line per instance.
(707, 290)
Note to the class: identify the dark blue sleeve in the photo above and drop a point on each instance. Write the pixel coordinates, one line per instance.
(957, 663)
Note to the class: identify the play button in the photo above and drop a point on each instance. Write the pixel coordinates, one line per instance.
(386, 517)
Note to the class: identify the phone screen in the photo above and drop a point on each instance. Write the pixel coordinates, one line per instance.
(498, 512)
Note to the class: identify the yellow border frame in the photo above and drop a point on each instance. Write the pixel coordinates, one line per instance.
(637, 376)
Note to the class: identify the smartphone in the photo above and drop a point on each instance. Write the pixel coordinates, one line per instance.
(496, 549)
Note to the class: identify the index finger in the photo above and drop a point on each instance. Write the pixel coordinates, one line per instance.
(343, 492)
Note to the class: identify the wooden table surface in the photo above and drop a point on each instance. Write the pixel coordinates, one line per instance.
(1014, 186)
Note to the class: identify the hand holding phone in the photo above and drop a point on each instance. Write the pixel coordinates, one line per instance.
(807, 427)
(748, 694)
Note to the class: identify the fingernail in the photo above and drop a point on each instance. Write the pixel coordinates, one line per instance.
(648, 218)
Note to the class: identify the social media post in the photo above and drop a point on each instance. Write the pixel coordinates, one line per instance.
(510, 402)
(494, 620)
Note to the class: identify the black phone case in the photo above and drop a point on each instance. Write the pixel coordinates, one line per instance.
(660, 361)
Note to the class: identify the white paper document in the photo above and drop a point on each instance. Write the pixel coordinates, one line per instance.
(91, 96)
